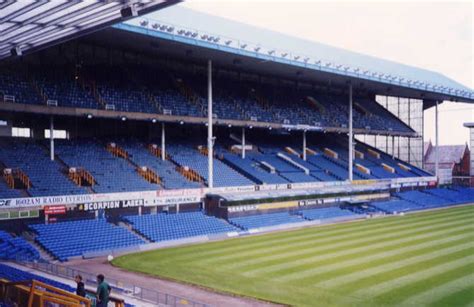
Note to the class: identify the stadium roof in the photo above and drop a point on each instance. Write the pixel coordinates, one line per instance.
(447, 154)
(28, 25)
(218, 37)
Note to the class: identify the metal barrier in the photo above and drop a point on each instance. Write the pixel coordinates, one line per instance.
(118, 286)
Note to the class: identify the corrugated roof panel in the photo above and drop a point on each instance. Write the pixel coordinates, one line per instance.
(199, 26)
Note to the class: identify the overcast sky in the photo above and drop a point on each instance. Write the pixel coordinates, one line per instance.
(433, 35)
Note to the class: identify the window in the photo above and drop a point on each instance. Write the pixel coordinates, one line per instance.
(21, 132)
(3, 123)
(57, 134)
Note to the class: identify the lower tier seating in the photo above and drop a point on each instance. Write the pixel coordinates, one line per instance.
(163, 227)
(69, 239)
(265, 220)
(396, 205)
(13, 274)
(13, 248)
(325, 213)
(426, 199)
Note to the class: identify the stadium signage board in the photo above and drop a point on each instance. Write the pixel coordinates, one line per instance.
(45, 201)
(107, 205)
(310, 202)
(52, 210)
(185, 196)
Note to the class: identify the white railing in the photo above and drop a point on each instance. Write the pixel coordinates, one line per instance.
(110, 107)
(52, 102)
(8, 98)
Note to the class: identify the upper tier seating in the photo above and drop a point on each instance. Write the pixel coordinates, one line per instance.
(47, 177)
(163, 227)
(13, 274)
(265, 220)
(111, 174)
(139, 90)
(13, 248)
(126, 99)
(17, 85)
(69, 239)
(224, 175)
(67, 93)
(326, 213)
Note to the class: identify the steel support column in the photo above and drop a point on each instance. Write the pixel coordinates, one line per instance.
(163, 142)
(437, 142)
(351, 136)
(210, 138)
(304, 145)
(51, 138)
(243, 143)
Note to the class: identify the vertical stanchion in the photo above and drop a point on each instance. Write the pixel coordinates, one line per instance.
(163, 142)
(51, 138)
(210, 140)
(437, 143)
(304, 145)
(243, 143)
(351, 155)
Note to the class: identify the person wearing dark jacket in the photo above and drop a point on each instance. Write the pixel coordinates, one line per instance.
(80, 290)
(103, 291)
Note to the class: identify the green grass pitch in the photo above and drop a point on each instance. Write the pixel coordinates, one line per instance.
(422, 259)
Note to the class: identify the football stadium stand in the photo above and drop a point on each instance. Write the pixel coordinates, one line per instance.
(426, 199)
(163, 227)
(82, 236)
(16, 248)
(113, 90)
(326, 213)
(265, 220)
(43, 176)
(110, 173)
(13, 274)
(268, 163)
(165, 169)
(180, 94)
(186, 156)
